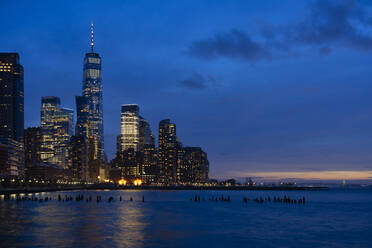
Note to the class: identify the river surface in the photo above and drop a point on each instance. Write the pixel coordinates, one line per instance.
(334, 218)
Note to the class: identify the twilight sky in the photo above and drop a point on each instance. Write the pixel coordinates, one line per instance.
(263, 87)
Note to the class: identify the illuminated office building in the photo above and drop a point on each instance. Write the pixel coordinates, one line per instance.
(130, 121)
(92, 103)
(11, 115)
(49, 107)
(167, 151)
(56, 130)
(63, 130)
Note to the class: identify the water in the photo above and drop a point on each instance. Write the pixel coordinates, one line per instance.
(334, 218)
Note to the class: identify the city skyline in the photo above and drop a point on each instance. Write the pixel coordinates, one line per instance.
(312, 129)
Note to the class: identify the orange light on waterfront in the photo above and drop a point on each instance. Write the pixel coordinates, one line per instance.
(137, 182)
(122, 182)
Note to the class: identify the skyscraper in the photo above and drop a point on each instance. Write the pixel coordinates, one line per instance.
(11, 115)
(56, 130)
(130, 127)
(63, 130)
(92, 92)
(167, 151)
(50, 105)
(11, 97)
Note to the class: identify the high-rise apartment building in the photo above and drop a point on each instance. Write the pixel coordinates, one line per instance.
(149, 168)
(11, 115)
(194, 167)
(167, 151)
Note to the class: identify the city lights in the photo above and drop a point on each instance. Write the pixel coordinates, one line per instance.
(122, 182)
(137, 182)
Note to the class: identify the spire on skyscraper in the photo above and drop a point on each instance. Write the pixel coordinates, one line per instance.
(91, 37)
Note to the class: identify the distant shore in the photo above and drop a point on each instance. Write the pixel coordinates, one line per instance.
(24, 190)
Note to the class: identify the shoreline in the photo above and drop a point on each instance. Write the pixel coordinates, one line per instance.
(26, 190)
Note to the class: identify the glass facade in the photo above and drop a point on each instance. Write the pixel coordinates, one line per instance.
(11, 116)
(56, 130)
(91, 124)
(129, 127)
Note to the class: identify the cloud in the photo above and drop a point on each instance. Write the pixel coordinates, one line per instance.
(196, 82)
(233, 44)
(334, 22)
(326, 24)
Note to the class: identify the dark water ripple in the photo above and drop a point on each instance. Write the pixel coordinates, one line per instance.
(335, 218)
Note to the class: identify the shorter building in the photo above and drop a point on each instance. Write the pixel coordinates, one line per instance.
(194, 166)
(11, 158)
(78, 158)
(32, 146)
(48, 174)
(93, 168)
(127, 165)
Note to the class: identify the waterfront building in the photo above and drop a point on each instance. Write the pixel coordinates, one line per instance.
(195, 166)
(32, 146)
(11, 115)
(78, 159)
(129, 130)
(167, 151)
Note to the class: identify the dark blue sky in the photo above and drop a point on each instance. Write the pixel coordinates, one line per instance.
(261, 86)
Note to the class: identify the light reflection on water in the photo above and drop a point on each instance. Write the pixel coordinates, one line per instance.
(336, 218)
